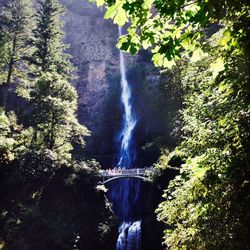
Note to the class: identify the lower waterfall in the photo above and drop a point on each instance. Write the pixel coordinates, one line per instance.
(129, 236)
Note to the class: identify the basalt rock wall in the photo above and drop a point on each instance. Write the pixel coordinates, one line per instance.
(92, 43)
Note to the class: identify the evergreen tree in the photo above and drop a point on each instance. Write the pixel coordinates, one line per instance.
(15, 33)
(49, 50)
(53, 98)
(3, 54)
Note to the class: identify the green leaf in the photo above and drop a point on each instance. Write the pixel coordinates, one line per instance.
(146, 44)
(217, 66)
(111, 11)
(168, 64)
(147, 4)
(120, 17)
(133, 49)
(100, 3)
(158, 59)
(225, 39)
(197, 55)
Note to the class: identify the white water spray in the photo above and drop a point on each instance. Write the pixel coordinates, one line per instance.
(129, 236)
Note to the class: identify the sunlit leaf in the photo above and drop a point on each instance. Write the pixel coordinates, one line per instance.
(158, 59)
(120, 17)
(217, 66)
(197, 55)
(111, 11)
(168, 64)
(100, 3)
(225, 39)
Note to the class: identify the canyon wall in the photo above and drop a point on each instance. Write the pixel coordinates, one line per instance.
(92, 42)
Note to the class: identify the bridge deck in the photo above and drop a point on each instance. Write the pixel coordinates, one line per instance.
(124, 172)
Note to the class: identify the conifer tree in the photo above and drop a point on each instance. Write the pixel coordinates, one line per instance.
(49, 54)
(53, 98)
(15, 33)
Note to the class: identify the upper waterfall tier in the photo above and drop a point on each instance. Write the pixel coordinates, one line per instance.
(129, 118)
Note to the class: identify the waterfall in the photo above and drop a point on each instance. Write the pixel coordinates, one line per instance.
(126, 192)
(129, 236)
(129, 119)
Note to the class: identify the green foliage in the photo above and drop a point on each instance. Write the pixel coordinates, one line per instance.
(13, 138)
(3, 54)
(206, 206)
(170, 28)
(52, 98)
(47, 205)
(49, 92)
(56, 126)
(49, 50)
(15, 32)
(48, 201)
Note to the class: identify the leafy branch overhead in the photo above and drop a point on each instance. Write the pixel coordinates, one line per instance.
(172, 29)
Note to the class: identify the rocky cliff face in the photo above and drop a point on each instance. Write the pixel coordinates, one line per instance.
(92, 46)
(92, 43)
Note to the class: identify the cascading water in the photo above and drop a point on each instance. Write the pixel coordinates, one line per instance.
(125, 193)
(129, 236)
(129, 119)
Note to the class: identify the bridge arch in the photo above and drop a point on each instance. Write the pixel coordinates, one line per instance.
(123, 177)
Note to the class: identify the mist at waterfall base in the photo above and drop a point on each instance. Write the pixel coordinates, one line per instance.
(125, 194)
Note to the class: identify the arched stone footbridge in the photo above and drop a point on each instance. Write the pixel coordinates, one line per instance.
(118, 173)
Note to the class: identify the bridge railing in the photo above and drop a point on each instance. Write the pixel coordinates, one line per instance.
(122, 171)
